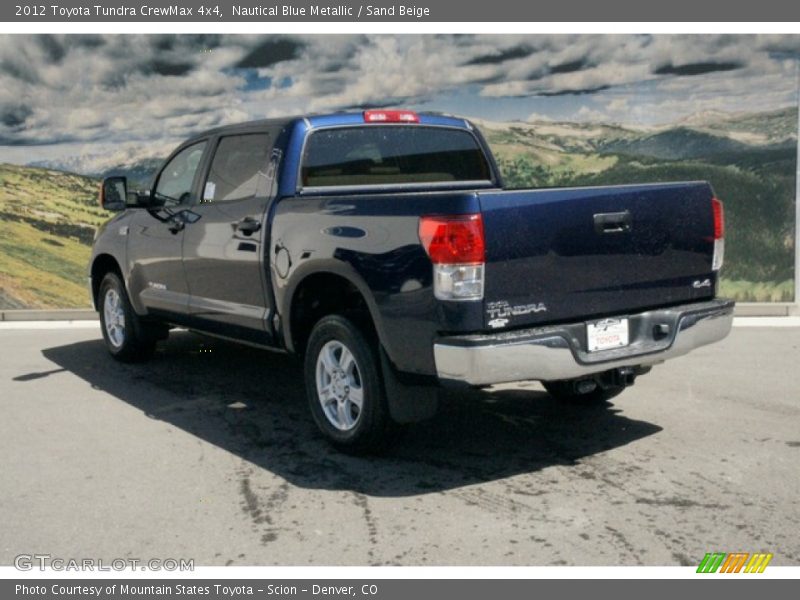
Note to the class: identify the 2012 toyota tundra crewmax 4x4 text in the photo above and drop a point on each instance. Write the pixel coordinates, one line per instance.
(382, 247)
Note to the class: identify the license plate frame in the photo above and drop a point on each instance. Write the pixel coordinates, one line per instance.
(607, 334)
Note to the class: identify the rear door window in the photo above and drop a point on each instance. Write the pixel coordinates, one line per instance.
(392, 155)
(239, 168)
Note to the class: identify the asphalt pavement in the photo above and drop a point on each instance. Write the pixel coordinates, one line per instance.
(208, 452)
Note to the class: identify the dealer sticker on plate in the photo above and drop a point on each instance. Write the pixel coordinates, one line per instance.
(605, 334)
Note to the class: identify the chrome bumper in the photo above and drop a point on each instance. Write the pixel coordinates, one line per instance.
(559, 351)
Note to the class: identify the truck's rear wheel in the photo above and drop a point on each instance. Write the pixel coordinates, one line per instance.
(126, 337)
(344, 386)
(569, 391)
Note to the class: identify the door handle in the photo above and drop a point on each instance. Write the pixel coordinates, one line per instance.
(619, 222)
(248, 226)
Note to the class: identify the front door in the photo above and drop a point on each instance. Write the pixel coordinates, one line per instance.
(223, 250)
(155, 235)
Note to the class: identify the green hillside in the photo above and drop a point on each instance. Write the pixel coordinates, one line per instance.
(47, 222)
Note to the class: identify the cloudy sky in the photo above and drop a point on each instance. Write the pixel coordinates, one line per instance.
(115, 95)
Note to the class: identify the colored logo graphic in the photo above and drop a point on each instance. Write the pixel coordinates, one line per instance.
(736, 562)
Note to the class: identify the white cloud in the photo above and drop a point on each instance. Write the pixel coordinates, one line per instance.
(120, 89)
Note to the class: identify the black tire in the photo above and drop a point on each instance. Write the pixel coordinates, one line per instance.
(137, 340)
(566, 392)
(370, 428)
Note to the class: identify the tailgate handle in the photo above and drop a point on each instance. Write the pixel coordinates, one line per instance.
(619, 222)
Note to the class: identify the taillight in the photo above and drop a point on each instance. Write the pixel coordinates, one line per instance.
(453, 240)
(719, 219)
(390, 116)
(456, 248)
(719, 234)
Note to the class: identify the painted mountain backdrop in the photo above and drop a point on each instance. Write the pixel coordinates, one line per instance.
(48, 209)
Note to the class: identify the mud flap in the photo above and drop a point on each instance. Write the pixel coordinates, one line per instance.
(408, 403)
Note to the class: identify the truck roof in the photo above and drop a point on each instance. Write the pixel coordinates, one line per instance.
(330, 120)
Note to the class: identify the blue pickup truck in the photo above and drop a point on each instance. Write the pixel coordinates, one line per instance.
(382, 247)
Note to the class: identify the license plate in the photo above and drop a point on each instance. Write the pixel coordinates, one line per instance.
(606, 334)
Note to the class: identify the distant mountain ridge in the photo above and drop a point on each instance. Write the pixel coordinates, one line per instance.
(701, 134)
(137, 162)
(674, 144)
(773, 127)
(139, 172)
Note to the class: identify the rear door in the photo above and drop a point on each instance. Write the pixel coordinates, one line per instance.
(573, 253)
(223, 249)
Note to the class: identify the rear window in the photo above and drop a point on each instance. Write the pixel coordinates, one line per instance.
(386, 155)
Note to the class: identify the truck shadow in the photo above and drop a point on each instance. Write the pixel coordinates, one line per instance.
(252, 403)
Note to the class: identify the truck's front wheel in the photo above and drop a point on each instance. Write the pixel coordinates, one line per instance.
(343, 382)
(126, 337)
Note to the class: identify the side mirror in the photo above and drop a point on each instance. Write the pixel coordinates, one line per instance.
(114, 193)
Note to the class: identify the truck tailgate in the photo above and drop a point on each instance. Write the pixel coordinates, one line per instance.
(555, 255)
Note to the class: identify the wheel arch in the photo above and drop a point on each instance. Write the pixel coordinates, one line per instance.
(333, 277)
(101, 265)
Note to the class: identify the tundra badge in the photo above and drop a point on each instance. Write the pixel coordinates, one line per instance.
(501, 309)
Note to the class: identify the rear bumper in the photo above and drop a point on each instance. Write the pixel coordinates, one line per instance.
(559, 351)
